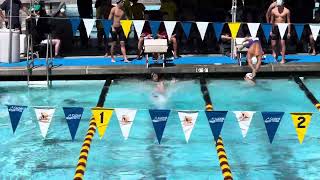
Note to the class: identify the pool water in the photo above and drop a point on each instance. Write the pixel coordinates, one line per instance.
(25, 155)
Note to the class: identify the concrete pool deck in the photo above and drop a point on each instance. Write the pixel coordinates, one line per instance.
(189, 64)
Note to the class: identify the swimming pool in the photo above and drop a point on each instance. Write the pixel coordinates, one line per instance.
(26, 155)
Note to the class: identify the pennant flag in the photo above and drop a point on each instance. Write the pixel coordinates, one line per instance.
(88, 23)
(234, 28)
(15, 113)
(186, 26)
(266, 30)
(202, 26)
(170, 25)
(125, 118)
(188, 120)
(301, 122)
(44, 117)
(154, 25)
(272, 121)
(159, 119)
(106, 26)
(282, 28)
(315, 30)
(126, 26)
(216, 120)
(75, 24)
(138, 25)
(218, 29)
(253, 28)
(102, 118)
(244, 119)
(73, 116)
(299, 29)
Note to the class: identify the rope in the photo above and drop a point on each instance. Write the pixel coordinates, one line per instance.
(84, 152)
(222, 155)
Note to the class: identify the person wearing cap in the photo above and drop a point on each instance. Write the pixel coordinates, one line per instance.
(117, 13)
(279, 14)
(16, 6)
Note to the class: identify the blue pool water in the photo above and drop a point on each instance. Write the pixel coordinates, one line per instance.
(26, 155)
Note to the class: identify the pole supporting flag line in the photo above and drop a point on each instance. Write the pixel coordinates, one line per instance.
(222, 155)
(309, 94)
(84, 152)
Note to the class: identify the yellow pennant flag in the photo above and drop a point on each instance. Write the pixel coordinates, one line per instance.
(301, 122)
(126, 26)
(234, 28)
(102, 118)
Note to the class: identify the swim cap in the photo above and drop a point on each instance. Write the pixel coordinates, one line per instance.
(279, 2)
(254, 60)
(249, 76)
(62, 10)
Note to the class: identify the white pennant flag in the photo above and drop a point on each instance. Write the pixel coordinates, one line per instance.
(188, 120)
(315, 30)
(282, 28)
(44, 117)
(125, 118)
(253, 28)
(88, 23)
(170, 25)
(138, 25)
(244, 119)
(202, 26)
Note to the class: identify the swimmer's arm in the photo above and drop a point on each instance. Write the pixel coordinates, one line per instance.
(289, 21)
(272, 18)
(268, 14)
(111, 13)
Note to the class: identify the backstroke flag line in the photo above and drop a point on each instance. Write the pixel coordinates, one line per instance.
(125, 118)
(15, 113)
(126, 26)
(272, 121)
(73, 116)
(218, 29)
(188, 120)
(44, 117)
(75, 22)
(202, 27)
(138, 26)
(216, 120)
(244, 119)
(106, 26)
(266, 27)
(159, 119)
(301, 122)
(169, 25)
(253, 28)
(186, 26)
(88, 23)
(282, 29)
(102, 118)
(315, 28)
(234, 28)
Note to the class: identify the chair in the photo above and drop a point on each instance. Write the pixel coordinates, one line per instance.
(156, 46)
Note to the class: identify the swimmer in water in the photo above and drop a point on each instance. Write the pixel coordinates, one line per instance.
(160, 84)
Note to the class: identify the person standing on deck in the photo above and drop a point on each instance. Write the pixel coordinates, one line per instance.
(85, 11)
(117, 13)
(279, 14)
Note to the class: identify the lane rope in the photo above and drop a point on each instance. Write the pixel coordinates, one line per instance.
(307, 92)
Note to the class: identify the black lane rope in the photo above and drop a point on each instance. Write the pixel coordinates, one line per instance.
(222, 155)
(84, 152)
(307, 92)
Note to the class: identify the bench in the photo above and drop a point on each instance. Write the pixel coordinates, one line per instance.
(156, 46)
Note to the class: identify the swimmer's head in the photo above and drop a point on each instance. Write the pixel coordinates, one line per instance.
(280, 2)
(249, 76)
(155, 77)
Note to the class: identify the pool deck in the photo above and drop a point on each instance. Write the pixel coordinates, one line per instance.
(189, 64)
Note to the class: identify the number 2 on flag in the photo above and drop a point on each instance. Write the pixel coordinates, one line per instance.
(300, 124)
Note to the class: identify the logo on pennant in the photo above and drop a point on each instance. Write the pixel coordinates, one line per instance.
(188, 120)
(272, 121)
(244, 119)
(216, 120)
(301, 122)
(159, 120)
(126, 26)
(73, 116)
(234, 28)
(15, 113)
(125, 118)
(44, 117)
(102, 118)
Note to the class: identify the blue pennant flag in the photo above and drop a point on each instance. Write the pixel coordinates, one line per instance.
(73, 116)
(154, 25)
(159, 119)
(272, 121)
(107, 26)
(216, 120)
(266, 30)
(15, 113)
(218, 29)
(186, 28)
(299, 29)
(75, 24)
